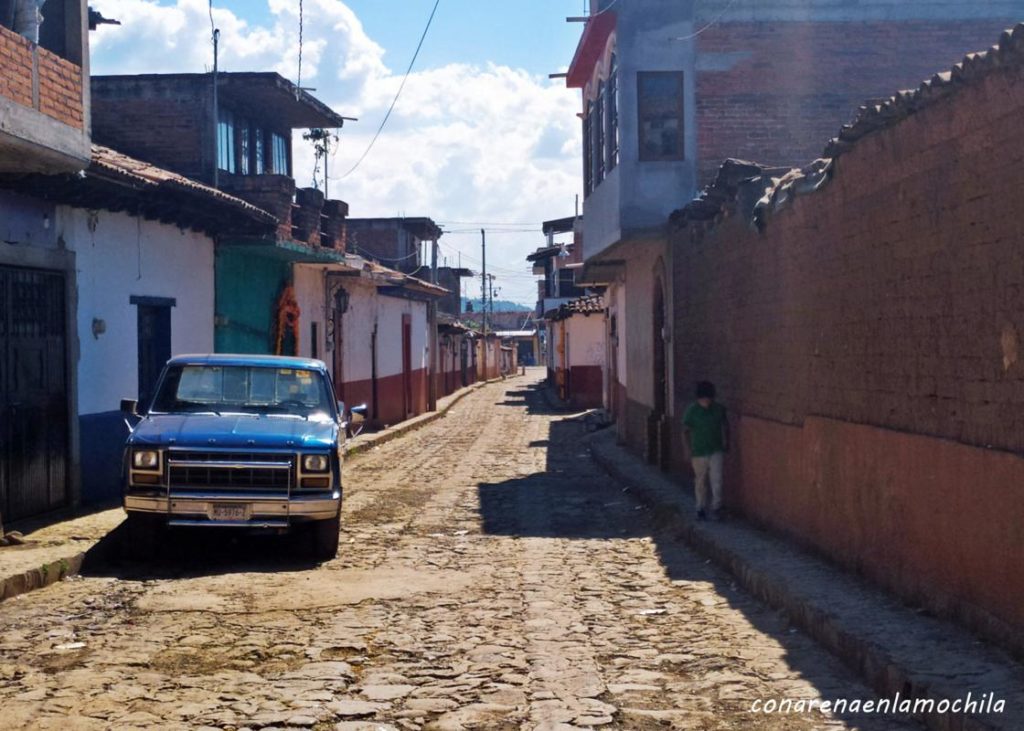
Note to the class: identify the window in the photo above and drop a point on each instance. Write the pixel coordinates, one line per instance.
(660, 110)
(567, 284)
(226, 141)
(611, 116)
(245, 148)
(279, 154)
(258, 143)
(588, 157)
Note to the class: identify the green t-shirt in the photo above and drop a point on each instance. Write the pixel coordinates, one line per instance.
(705, 427)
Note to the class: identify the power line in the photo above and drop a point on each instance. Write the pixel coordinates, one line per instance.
(713, 22)
(401, 86)
(602, 12)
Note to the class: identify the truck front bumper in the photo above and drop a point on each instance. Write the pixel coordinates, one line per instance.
(251, 511)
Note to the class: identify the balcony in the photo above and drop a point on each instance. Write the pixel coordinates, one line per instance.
(44, 116)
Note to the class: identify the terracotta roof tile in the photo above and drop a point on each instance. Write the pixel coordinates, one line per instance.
(146, 174)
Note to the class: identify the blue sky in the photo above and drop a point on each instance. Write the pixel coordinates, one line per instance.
(528, 34)
(480, 134)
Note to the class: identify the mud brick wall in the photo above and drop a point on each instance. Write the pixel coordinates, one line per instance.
(776, 92)
(868, 343)
(59, 80)
(162, 127)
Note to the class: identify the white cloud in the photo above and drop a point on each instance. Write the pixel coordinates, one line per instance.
(465, 143)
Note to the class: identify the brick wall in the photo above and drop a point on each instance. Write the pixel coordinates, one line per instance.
(60, 81)
(868, 343)
(382, 243)
(788, 86)
(161, 127)
(451, 303)
(16, 62)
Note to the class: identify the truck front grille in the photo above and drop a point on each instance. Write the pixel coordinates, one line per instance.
(230, 471)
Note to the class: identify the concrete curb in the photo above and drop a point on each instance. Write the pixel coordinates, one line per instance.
(48, 573)
(364, 444)
(880, 668)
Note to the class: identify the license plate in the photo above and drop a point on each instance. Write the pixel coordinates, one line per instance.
(229, 512)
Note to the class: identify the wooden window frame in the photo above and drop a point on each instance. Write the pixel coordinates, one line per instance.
(643, 115)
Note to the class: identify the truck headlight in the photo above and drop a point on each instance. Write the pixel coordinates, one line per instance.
(145, 459)
(315, 463)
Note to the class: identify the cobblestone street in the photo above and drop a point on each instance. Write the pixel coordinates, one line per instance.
(490, 576)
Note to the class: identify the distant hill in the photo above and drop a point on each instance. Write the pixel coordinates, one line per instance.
(499, 305)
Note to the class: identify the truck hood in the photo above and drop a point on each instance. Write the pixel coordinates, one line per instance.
(207, 430)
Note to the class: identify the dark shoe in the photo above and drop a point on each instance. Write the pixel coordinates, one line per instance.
(701, 515)
(718, 516)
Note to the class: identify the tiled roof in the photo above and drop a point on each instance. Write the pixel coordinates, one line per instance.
(145, 174)
(591, 304)
(391, 277)
(545, 252)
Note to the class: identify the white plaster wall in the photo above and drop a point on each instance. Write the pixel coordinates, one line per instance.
(586, 333)
(358, 325)
(309, 293)
(367, 309)
(118, 256)
(389, 339)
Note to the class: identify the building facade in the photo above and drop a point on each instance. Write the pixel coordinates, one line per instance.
(670, 89)
(143, 242)
(578, 341)
(238, 140)
(862, 320)
(44, 105)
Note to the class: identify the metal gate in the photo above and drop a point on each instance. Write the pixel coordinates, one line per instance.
(33, 393)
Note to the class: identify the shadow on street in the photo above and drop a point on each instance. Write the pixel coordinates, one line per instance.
(195, 552)
(575, 499)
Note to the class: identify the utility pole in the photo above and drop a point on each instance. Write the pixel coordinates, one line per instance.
(483, 295)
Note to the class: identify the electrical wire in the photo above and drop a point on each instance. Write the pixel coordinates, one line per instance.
(717, 18)
(394, 101)
(602, 12)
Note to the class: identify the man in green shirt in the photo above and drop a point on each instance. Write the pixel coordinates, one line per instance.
(706, 436)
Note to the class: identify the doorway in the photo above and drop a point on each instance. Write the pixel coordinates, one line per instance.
(407, 365)
(34, 428)
(154, 336)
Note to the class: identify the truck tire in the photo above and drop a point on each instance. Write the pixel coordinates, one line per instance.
(142, 536)
(326, 535)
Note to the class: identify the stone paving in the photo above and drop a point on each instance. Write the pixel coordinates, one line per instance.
(490, 577)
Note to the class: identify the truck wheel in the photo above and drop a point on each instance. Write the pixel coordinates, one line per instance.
(326, 535)
(142, 536)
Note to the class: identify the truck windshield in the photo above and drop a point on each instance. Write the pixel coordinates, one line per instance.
(247, 389)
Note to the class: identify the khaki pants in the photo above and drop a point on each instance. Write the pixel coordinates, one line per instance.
(703, 468)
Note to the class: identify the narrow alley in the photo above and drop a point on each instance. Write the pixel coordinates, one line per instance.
(491, 576)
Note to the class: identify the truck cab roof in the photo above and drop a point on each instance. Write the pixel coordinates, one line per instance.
(266, 361)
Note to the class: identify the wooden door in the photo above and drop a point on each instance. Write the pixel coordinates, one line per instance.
(34, 440)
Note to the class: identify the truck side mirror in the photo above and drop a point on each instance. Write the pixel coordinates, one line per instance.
(359, 413)
(129, 407)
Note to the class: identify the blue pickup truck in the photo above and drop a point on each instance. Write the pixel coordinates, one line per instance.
(237, 441)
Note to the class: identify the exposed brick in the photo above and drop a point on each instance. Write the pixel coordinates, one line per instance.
(871, 344)
(801, 81)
